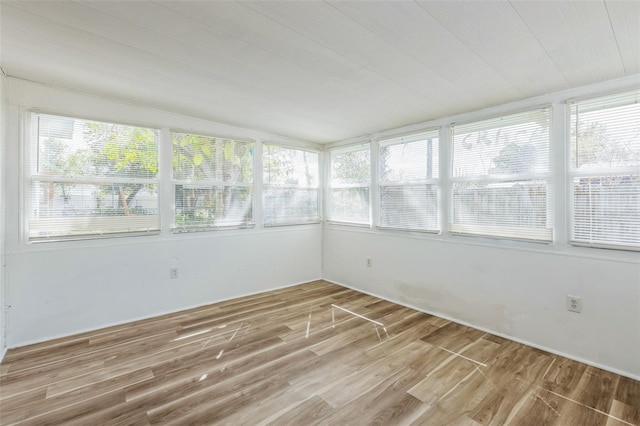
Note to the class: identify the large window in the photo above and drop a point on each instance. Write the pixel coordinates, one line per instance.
(89, 178)
(500, 177)
(349, 185)
(409, 182)
(213, 182)
(605, 171)
(290, 179)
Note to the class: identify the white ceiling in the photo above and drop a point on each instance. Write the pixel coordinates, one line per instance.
(320, 71)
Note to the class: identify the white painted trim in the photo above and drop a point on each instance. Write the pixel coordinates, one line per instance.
(258, 185)
(166, 198)
(495, 333)
(374, 184)
(622, 256)
(158, 238)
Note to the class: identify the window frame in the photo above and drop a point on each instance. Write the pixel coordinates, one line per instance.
(367, 146)
(434, 181)
(210, 184)
(536, 235)
(29, 160)
(573, 173)
(265, 185)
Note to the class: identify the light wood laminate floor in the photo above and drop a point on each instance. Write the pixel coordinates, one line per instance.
(310, 354)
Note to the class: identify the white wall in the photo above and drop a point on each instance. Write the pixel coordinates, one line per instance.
(58, 289)
(66, 290)
(516, 292)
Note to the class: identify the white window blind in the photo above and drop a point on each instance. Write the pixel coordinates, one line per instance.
(349, 185)
(500, 177)
(290, 179)
(212, 182)
(605, 171)
(89, 179)
(409, 182)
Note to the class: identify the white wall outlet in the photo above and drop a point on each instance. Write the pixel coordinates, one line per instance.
(175, 272)
(369, 264)
(574, 304)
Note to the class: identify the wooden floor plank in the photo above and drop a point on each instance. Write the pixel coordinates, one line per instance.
(315, 353)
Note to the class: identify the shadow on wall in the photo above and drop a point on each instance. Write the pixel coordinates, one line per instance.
(436, 299)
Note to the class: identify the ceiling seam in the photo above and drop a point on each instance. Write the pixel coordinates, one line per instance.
(399, 48)
(284, 58)
(269, 51)
(490, 65)
(539, 43)
(408, 89)
(613, 31)
(144, 68)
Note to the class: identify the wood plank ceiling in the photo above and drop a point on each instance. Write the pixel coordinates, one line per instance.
(320, 71)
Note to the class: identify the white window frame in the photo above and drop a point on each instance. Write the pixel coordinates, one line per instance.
(330, 186)
(538, 235)
(209, 183)
(433, 181)
(597, 172)
(145, 225)
(266, 186)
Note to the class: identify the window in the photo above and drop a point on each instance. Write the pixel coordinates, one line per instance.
(212, 182)
(500, 177)
(605, 171)
(290, 186)
(89, 179)
(409, 182)
(349, 185)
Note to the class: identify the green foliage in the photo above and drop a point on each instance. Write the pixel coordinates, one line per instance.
(286, 166)
(218, 164)
(514, 158)
(201, 158)
(594, 144)
(352, 167)
(130, 152)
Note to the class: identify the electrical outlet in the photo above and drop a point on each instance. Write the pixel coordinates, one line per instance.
(175, 272)
(574, 304)
(369, 262)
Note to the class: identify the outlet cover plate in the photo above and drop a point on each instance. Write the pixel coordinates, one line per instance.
(574, 304)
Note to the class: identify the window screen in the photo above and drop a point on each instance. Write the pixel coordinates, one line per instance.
(212, 182)
(408, 186)
(605, 171)
(500, 177)
(89, 179)
(290, 179)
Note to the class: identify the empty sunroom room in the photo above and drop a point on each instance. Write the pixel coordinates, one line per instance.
(320, 212)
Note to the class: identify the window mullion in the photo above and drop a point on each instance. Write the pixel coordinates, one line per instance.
(166, 197)
(444, 198)
(374, 191)
(559, 180)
